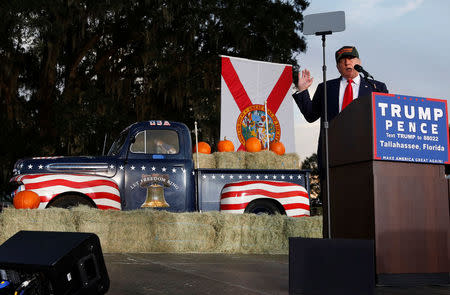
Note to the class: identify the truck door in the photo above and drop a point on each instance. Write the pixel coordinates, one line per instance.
(157, 172)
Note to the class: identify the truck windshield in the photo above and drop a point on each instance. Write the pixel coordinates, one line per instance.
(156, 142)
(118, 144)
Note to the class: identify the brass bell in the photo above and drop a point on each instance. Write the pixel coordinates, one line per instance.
(155, 197)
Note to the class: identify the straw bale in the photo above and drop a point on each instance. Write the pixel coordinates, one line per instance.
(230, 160)
(13, 220)
(204, 160)
(261, 160)
(305, 227)
(148, 230)
(185, 232)
(119, 231)
(287, 161)
(250, 233)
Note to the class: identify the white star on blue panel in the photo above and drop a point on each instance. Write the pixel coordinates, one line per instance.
(132, 167)
(30, 166)
(121, 167)
(163, 169)
(40, 166)
(143, 168)
(153, 168)
(174, 170)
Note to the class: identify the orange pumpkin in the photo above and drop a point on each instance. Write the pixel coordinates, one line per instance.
(277, 147)
(203, 148)
(26, 200)
(225, 145)
(253, 144)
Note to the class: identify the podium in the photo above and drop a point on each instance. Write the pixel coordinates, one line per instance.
(402, 205)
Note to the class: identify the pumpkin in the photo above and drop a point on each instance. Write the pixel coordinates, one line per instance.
(26, 200)
(225, 145)
(253, 144)
(277, 147)
(203, 148)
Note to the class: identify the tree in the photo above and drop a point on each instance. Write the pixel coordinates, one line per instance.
(310, 163)
(73, 71)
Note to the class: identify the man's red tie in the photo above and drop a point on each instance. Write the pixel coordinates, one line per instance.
(348, 94)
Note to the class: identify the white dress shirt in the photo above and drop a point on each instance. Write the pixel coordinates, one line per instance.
(343, 85)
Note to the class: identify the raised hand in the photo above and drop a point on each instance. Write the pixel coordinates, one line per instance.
(304, 80)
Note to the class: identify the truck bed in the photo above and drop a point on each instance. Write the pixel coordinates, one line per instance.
(211, 181)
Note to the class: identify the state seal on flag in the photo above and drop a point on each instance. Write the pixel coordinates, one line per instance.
(252, 123)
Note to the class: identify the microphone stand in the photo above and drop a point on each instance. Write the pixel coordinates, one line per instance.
(325, 130)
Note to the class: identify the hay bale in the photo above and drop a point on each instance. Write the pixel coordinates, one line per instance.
(287, 161)
(261, 160)
(119, 231)
(251, 234)
(230, 160)
(13, 220)
(305, 227)
(185, 232)
(148, 230)
(204, 160)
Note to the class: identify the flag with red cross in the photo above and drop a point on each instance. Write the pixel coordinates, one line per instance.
(256, 102)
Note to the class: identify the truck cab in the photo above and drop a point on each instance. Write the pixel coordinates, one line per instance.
(156, 167)
(149, 165)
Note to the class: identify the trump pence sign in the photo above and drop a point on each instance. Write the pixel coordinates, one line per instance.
(410, 129)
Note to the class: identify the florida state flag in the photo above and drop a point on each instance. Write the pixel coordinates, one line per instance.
(246, 86)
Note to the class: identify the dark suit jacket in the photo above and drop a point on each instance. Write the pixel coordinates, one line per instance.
(312, 110)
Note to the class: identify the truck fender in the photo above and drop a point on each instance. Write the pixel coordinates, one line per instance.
(103, 191)
(292, 197)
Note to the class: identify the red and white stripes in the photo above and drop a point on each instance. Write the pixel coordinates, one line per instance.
(293, 197)
(103, 191)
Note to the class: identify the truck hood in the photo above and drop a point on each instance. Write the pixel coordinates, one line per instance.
(103, 166)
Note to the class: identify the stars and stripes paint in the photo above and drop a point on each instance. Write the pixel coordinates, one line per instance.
(293, 197)
(103, 191)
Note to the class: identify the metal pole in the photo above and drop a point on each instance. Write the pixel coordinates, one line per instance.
(267, 126)
(325, 126)
(196, 144)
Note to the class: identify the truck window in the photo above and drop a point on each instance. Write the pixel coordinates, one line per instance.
(156, 142)
(117, 144)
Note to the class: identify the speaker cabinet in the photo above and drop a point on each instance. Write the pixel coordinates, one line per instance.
(55, 263)
(331, 266)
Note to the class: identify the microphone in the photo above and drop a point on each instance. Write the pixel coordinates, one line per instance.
(361, 70)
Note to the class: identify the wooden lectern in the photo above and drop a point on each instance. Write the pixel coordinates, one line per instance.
(402, 206)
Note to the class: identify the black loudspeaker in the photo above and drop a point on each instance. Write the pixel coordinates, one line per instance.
(331, 266)
(39, 262)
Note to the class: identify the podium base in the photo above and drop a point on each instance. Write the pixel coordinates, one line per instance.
(413, 279)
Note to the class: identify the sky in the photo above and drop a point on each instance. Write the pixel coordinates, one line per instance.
(404, 43)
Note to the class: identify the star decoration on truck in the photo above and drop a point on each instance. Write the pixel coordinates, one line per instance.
(252, 177)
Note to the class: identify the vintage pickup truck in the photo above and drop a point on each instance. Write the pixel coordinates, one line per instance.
(151, 165)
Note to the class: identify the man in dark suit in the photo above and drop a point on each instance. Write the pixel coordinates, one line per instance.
(340, 92)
